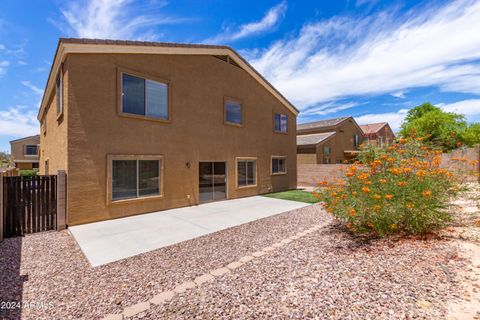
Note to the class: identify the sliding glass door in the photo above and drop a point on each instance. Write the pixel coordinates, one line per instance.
(212, 181)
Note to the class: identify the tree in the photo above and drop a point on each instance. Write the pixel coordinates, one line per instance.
(446, 129)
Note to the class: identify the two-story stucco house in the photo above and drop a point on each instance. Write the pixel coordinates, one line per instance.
(377, 134)
(144, 126)
(24, 152)
(328, 141)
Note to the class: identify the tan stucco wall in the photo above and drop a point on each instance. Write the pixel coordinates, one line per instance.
(341, 141)
(17, 148)
(198, 85)
(53, 140)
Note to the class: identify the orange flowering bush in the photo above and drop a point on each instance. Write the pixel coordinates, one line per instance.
(400, 189)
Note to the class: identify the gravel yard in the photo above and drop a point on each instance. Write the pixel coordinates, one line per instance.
(326, 274)
(49, 267)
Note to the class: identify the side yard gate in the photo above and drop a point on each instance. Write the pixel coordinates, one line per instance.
(29, 204)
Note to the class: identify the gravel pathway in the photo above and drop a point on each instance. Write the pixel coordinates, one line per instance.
(49, 268)
(329, 275)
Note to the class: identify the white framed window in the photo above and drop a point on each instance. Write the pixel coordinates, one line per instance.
(279, 165)
(144, 97)
(280, 122)
(30, 150)
(134, 177)
(327, 150)
(246, 172)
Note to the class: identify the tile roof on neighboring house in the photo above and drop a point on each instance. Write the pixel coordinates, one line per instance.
(372, 127)
(321, 123)
(312, 139)
(25, 138)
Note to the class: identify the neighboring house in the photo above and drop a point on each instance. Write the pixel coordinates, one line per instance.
(328, 141)
(377, 134)
(25, 152)
(144, 126)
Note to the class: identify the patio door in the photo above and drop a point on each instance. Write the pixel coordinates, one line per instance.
(212, 181)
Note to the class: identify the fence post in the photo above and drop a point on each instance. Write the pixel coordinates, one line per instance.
(61, 200)
(1, 206)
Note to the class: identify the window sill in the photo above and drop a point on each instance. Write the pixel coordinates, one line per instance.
(279, 174)
(233, 124)
(60, 116)
(132, 200)
(246, 187)
(280, 132)
(145, 118)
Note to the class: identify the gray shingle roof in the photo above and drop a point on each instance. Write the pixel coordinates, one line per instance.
(312, 139)
(321, 123)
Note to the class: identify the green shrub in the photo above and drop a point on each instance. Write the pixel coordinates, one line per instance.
(401, 189)
(28, 173)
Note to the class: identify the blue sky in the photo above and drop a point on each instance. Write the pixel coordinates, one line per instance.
(370, 59)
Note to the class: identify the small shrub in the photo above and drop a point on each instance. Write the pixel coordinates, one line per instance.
(401, 189)
(28, 173)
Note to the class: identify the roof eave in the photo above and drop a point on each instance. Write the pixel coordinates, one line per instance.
(65, 47)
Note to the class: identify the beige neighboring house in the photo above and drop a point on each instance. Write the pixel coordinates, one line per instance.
(25, 152)
(144, 126)
(328, 141)
(377, 134)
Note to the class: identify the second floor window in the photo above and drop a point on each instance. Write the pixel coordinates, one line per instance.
(144, 97)
(326, 150)
(31, 150)
(280, 122)
(355, 141)
(233, 112)
(59, 93)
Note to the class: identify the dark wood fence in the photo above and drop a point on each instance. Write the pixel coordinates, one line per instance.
(30, 204)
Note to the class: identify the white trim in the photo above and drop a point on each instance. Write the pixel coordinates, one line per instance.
(70, 48)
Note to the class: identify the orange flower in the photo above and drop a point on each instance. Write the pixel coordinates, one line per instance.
(389, 196)
(383, 180)
(390, 159)
(383, 156)
(427, 193)
(366, 189)
(323, 183)
(402, 184)
(377, 197)
(407, 170)
(352, 212)
(363, 176)
(419, 139)
(367, 182)
(421, 173)
(354, 193)
(402, 141)
(377, 207)
(393, 226)
(410, 205)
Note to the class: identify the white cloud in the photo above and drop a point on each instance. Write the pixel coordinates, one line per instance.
(399, 94)
(32, 87)
(3, 66)
(394, 119)
(346, 56)
(470, 107)
(270, 20)
(18, 122)
(327, 108)
(113, 19)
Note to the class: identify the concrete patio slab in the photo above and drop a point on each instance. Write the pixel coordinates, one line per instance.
(112, 240)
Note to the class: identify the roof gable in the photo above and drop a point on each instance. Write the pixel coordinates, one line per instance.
(313, 139)
(71, 45)
(371, 128)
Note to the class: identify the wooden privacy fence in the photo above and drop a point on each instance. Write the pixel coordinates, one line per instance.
(30, 204)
